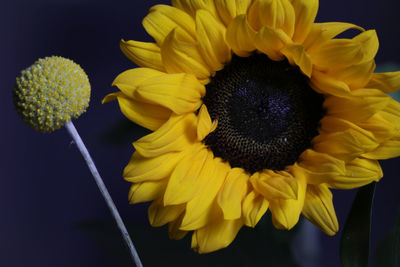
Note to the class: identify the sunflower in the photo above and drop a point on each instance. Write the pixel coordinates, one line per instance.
(253, 106)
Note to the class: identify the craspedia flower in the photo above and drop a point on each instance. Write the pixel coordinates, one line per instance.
(253, 106)
(51, 92)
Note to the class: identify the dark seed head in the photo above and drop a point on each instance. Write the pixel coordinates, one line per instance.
(267, 113)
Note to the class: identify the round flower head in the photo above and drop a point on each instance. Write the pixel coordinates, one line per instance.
(253, 107)
(51, 92)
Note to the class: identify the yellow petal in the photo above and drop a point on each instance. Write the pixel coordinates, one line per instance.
(274, 185)
(388, 82)
(381, 128)
(322, 32)
(340, 53)
(325, 84)
(386, 150)
(318, 208)
(162, 19)
(141, 169)
(359, 172)
(305, 13)
(240, 36)
(186, 179)
(177, 134)
(355, 76)
(229, 9)
(201, 209)
(129, 80)
(143, 54)
(276, 14)
(180, 93)
(286, 212)
(146, 115)
(271, 41)
(181, 56)
(191, 6)
(363, 104)
(215, 236)
(211, 39)
(391, 113)
(232, 193)
(297, 56)
(320, 167)
(254, 207)
(160, 214)
(204, 124)
(173, 229)
(146, 191)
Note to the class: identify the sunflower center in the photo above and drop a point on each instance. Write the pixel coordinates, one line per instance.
(267, 113)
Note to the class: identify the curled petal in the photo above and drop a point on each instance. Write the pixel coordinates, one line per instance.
(305, 13)
(174, 232)
(162, 19)
(318, 208)
(240, 36)
(388, 82)
(271, 41)
(211, 39)
(326, 84)
(146, 191)
(359, 172)
(204, 124)
(160, 214)
(386, 150)
(215, 235)
(191, 6)
(229, 9)
(177, 134)
(275, 185)
(254, 207)
(143, 54)
(296, 55)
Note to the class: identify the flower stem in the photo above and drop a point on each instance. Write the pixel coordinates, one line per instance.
(110, 203)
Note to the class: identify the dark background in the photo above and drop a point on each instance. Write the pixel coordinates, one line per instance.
(51, 212)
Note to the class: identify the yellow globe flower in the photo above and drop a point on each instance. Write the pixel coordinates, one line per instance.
(254, 106)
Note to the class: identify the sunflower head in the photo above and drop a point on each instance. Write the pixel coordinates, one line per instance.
(253, 107)
(51, 92)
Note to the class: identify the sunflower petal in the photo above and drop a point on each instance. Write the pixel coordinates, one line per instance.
(388, 82)
(273, 185)
(162, 19)
(204, 124)
(320, 167)
(211, 39)
(200, 210)
(363, 104)
(146, 191)
(185, 179)
(191, 6)
(229, 9)
(276, 14)
(232, 193)
(355, 76)
(323, 32)
(177, 134)
(386, 150)
(359, 172)
(271, 41)
(381, 128)
(305, 13)
(240, 36)
(215, 236)
(296, 54)
(180, 93)
(325, 84)
(286, 212)
(254, 207)
(181, 56)
(141, 169)
(143, 54)
(341, 53)
(174, 232)
(318, 208)
(146, 115)
(160, 214)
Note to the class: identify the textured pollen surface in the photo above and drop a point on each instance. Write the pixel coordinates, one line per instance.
(267, 113)
(51, 92)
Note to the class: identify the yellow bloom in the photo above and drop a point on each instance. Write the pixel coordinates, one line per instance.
(252, 105)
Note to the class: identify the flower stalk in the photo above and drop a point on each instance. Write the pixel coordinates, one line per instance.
(110, 203)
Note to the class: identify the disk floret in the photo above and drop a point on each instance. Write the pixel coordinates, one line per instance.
(51, 92)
